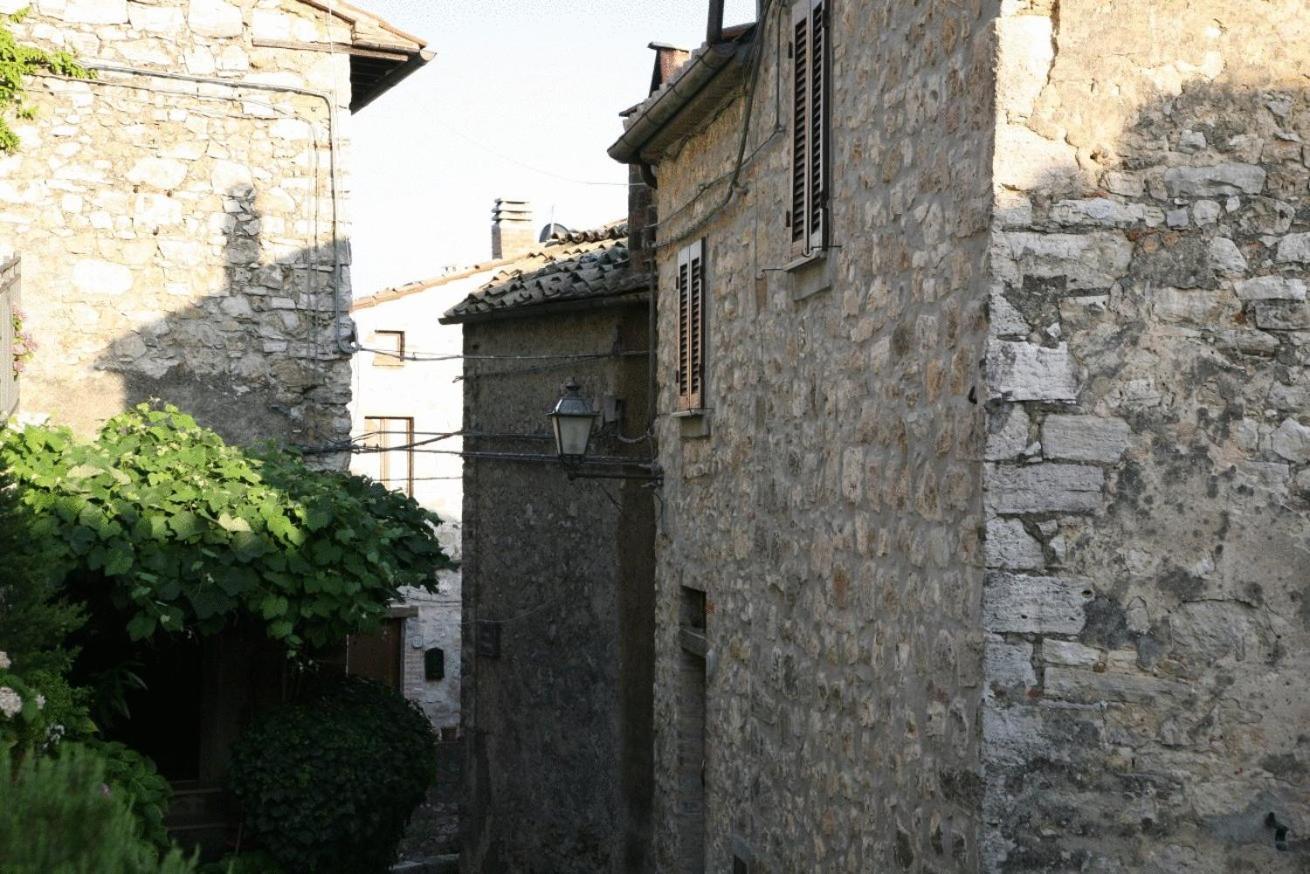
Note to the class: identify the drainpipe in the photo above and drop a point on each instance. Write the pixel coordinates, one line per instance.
(714, 28)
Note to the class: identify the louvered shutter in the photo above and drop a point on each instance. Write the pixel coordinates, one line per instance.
(691, 326)
(818, 139)
(809, 129)
(696, 326)
(800, 127)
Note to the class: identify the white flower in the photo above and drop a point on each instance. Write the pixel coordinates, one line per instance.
(10, 702)
(40, 701)
(4, 661)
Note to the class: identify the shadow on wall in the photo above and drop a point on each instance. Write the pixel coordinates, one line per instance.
(1174, 719)
(258, 360)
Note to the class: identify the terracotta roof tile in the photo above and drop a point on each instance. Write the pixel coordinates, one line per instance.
(575, 265)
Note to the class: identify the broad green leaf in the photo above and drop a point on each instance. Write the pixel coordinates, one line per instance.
(233, 523)
(141, 626)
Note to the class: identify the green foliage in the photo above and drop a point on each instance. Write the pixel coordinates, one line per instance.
(194, 533)
(38, 708)
(34, 621)
(59, 816)
(146, 793)
(256, 862)
(327, 784)
(16, 62)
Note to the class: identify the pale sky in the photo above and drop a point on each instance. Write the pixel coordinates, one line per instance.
(516, 84)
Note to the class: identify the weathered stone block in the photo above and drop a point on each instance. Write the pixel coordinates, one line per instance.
(1009, 546)
(1292, 441)
(1194, 306)
(215, 18)
(164, 174)
(1044, 488)
(1007, 435)
(1225, 256)
(96, 277)
(1028, 372)
(1093, 687)
(1022, 604)
(1084, 438)
(1069, 653)
(1092, 260)
(1217, 179)
(1248, 341)
(1007, 664)
(1278, 315)
(1271, 288)
(1294, 247)
(155, 19)
(1098, 211)
(85, 11)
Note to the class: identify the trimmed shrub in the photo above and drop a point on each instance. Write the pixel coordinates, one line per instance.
(60, 816)
(328, 783)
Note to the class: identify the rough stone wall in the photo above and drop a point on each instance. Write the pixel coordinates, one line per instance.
(177, 238)
(557, 725)
(1146, 608)
(832, 514)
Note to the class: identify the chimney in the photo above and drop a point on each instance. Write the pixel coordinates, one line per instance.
(511, 229)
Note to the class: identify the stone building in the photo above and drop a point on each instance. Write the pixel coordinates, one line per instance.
(558, 565)
(181, 218)
(407, 409)
(982, 396)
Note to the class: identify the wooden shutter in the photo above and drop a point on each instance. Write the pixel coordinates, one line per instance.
(818, 139)
(691, 326)
(8, 303)
(809, 128)
(800, 127)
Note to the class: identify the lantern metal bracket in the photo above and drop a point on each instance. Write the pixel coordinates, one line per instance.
(648, 471)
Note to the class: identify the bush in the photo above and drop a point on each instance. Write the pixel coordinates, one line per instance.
(58, 816)
(193, 533)
(328, 783)
(37, 706)
(141, 786)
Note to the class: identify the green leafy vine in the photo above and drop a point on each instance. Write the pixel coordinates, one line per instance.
(192, 533)
(16, 63)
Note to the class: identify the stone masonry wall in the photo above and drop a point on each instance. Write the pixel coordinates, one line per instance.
(557, 612)
(1148, 450)
(177, 238)
(832, 514)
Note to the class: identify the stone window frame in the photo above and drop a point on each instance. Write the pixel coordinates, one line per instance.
(381, 436)
(386, 354)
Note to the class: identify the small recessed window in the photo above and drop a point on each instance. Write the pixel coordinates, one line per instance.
(434, 665)
(388, 348)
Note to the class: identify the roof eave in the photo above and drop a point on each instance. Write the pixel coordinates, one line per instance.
(628, 297)
(713, 72)
(391, 80)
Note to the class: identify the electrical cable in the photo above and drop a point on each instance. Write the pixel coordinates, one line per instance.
(454, 356)
(757, 55)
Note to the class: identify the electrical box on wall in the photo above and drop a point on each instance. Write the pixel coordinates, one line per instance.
(488, 643)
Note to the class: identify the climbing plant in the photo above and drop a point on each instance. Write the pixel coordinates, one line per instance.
(17, 61)
(192, 533)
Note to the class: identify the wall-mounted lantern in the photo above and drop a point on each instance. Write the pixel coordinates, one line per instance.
(573, 419)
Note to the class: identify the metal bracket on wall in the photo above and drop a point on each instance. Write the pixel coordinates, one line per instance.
(649, 471)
